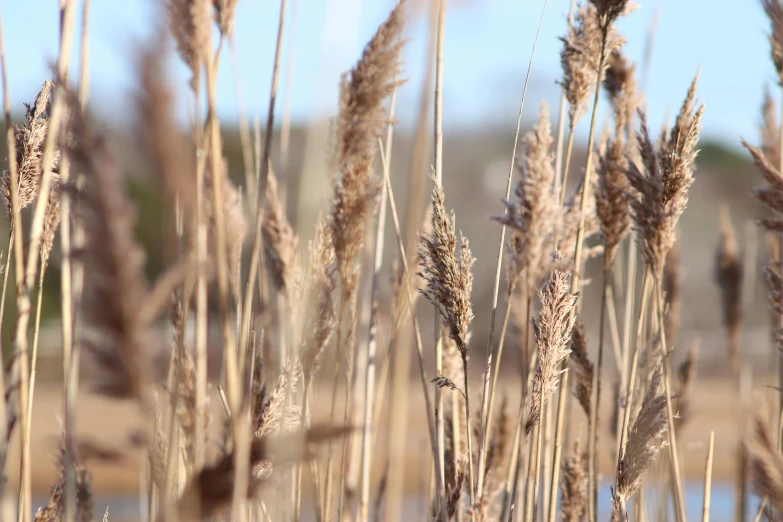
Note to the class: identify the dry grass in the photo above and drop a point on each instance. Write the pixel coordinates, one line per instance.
(286, 308)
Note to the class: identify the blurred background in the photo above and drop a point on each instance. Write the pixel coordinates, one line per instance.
(487, 49)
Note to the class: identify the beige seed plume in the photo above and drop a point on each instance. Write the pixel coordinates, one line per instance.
(361, 120)
(320, 321)
(552, 332)
(766, 463)
(117, 334)
(51, 219)
(573, 489)
(769, 129)
(584, 367)
(162, 143)
(449, 280)
(620, 84)
(774, 11)
(190, 24)
(612, 191)
(279, 240)
(234, 219)
(645, 439)
(579, 61)
(672, 290)
(29, 143)
(662, 184)
(224, 15)
(531, 215)
(728, 275)
(54, 510)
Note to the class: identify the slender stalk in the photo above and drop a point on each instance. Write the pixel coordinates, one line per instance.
(634, 363)
(563, 395)
(569, 151)
(488, 397)
(705, 512)
(71, 282)
(520, 418)
(439, 180)
(6, 272)
(539, 451)
(592, 440)
(255, 252)
(675, 463)
(439, 487)
(372, 345)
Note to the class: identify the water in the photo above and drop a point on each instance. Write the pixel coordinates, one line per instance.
(122, 508)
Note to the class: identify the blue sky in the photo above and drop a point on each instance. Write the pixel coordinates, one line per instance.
(487, 47)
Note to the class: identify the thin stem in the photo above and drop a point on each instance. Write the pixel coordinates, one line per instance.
(439, 487)
(488, 397)
(580, 234)
(675, 464)
(520, 417)
(372, 345)
(6, 272)
(488, 421)
(705, 512)
(439, 181)
(255, 252)
(634, 363)
(592, 440)
(539, 451)
(569, 151)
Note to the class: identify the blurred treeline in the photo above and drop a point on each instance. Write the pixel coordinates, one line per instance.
(475, 169)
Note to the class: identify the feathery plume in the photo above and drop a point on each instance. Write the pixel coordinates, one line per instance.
(530, 215)
(279, 239)
(774, 11)
(29, 143)
(573, 496)
(552, 332)
(584, 367)
(321, 321)
(687, 374)
(766, 463)
(234, 218)
(224, 16)
(728, 275)
(273, 411)
(449, 281)
(54, 510)
(672, 290)
(769, 129)
(189, 23)
(579, 61)
(51, 219)
(114, 296)
(620, 85)
(162, 143)
(360, 122)
(645, 440)
(662, 183)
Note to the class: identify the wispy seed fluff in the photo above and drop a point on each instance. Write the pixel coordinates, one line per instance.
(449, 280)
(279, 239)
(190, 24)
(29, 143)
(531, 214)
(662, 182)
(552, 332)
(728, 275)
(360, 122)
(645, 441)
(774, 11)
